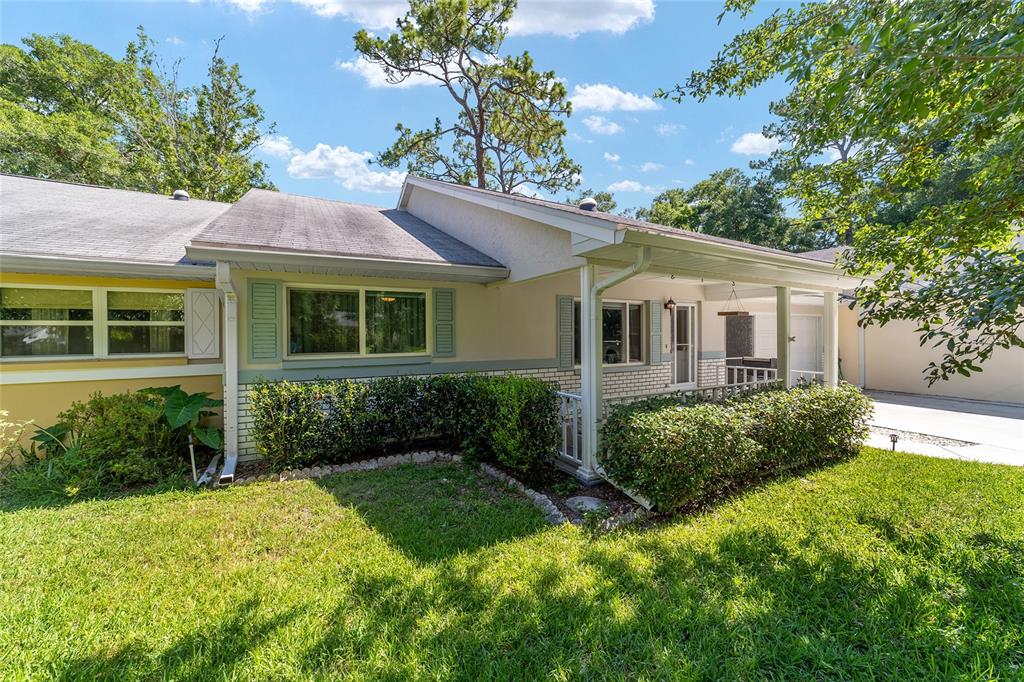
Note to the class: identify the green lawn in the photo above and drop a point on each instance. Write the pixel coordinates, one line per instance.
(891, 566)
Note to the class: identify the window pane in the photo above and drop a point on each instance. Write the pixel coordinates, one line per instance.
(396, 322)
(323, 321)
(636, 331)
(612, 320)
(576, 333)
(45, 340)
(45, 304)
(145, 306)
(146, 339)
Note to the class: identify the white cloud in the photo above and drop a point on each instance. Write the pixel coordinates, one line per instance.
(599, 125)
(175, 40)
(374, 76)
(630, 186)
(611, 158)
(690, 162)
(567, 18)
(602, 97)
(650, 167)
(347, 167)
(754, 144)
(666, 129)
(278, 146)
(724, 135)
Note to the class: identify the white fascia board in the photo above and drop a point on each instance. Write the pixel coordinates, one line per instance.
(57, 265)
(378, 266)
(54, 376)
(601, 230)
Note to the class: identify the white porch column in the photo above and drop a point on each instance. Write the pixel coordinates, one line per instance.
(590, 369)
(230, 411)
(830, 322)
(783, 335)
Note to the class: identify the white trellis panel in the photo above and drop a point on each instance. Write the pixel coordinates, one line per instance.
(202, 323)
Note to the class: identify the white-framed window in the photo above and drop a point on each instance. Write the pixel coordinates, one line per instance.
(622, 332)
(357, 321)
(49, 321)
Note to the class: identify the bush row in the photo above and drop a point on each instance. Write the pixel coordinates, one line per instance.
(508, 419)
(674, 455)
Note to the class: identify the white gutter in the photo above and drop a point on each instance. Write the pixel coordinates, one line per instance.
(224, 285)
(63, 265)
(642, 264)
(352, 264)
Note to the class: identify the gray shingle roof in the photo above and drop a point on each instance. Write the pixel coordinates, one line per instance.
(60, 219)
(277, 221)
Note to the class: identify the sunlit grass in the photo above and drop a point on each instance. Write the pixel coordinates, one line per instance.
(888, 566)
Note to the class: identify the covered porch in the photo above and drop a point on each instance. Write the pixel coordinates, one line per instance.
(707, 361)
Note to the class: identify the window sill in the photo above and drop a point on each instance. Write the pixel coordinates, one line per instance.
(621, 367)
(92, 358)
(294, 362)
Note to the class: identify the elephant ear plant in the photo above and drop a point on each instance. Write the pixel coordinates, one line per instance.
(187, 411)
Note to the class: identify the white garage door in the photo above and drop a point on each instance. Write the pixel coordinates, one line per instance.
(808, 347)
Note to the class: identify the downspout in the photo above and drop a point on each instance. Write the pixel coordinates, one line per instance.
(591, 369)
(224, 285)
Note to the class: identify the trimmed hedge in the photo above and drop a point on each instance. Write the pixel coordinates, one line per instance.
(675, 455)
(507, 419)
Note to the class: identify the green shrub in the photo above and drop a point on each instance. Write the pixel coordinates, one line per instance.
(507, 419)
(674, 455)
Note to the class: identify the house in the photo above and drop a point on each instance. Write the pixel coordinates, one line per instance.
(111, 290)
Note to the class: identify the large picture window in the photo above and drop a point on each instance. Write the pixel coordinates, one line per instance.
(38, 322)
(622, 326)
(373, 322)
(323, 321)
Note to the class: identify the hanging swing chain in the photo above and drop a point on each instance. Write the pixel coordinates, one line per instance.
(733, 298)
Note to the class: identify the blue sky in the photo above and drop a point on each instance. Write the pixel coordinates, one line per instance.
(332, 113)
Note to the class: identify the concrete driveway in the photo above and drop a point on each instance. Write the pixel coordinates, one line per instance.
(947, 427)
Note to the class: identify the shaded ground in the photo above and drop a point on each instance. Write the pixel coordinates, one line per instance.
(896, 566)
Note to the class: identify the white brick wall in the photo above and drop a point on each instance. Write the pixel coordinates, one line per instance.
(711, 372)
(643, 380)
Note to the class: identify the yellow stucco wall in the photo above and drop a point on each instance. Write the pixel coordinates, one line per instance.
(42, 400)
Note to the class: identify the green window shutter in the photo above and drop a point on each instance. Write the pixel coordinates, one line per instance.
(566, 333)
(654, 315)
(444, 323)
(264, 333)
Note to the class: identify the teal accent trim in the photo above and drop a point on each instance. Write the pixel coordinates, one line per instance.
(425, 366)
(444, 323)
(263, 315)
(711, 355)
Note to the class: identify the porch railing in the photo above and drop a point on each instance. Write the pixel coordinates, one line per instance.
(748, 374)
(570, 422)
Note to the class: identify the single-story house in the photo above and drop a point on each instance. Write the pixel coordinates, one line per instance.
(110, 290)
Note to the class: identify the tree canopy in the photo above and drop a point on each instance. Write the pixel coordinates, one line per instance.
(509, 127)
(69, 111)
(890, 101)
(732, 204)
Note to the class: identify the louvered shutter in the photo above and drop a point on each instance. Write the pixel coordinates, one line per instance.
(654, 315)
(202, 323)
(264, 332)
(444, 322)
(566, 333)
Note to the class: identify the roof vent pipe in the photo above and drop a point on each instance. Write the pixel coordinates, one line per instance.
(180, 195)
(588, 204)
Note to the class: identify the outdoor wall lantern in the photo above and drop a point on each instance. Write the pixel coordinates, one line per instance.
(670, 305)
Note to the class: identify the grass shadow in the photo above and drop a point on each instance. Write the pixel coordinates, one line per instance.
(433, 513)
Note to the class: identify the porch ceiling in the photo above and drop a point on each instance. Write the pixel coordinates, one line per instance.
(717, 262)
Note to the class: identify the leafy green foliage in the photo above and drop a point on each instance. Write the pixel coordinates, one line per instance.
(69, 111)
(509, 128)
(508, 419)
(675, 455)
(889, 101)
(731, 204)
(187, 411)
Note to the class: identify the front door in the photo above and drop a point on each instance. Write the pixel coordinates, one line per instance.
(684, 344)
